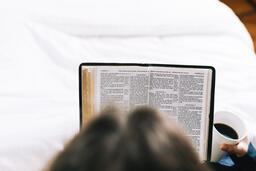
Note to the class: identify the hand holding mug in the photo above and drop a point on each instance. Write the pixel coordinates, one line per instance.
(239, 149)
(229, 135)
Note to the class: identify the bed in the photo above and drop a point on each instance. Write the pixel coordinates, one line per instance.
(42, 44)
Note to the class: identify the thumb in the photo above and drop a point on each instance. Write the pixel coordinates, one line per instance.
(228, 148)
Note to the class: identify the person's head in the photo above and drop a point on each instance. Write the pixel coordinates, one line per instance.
(139, 141)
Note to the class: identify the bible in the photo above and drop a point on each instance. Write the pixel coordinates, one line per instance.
(183, 92)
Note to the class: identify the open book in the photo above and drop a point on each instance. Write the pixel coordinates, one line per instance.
(185, 93)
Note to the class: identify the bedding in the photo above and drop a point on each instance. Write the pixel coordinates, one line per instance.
(42, 44)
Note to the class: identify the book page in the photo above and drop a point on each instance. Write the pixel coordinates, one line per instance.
(126, 87)
(182, 94)
(88, 93)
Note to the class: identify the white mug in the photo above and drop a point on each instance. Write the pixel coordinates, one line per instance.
(233, 121)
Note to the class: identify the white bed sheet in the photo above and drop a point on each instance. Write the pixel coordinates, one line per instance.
(42, 44)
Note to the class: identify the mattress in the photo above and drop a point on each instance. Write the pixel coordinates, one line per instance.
(42, 44)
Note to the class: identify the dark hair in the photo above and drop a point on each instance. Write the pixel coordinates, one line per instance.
(140, 141)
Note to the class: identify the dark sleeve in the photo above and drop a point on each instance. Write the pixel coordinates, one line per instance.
(233, 163)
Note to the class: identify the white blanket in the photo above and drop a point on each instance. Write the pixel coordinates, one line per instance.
(42, 44)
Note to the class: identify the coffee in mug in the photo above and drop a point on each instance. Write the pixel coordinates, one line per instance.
(226, 130)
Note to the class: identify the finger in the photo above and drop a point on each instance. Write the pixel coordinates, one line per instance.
(246, 140)
(242, 148)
